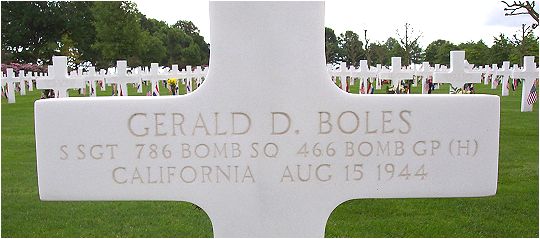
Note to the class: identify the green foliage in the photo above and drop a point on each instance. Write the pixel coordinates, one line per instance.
(96, 32)
(528, 46)
(501, 50)
(331, 46)
(118, 32)
(379, 54)
(31, 30)
(477, 53)
(79, 27)
(202, 51)
(438, 52)
(153, 50)
(353, 50)
(394, 50)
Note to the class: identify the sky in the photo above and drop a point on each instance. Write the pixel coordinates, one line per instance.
(454, 20)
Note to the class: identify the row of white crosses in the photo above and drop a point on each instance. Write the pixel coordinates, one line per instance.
(364, 73)
(60, 81)
(9, 80)
(395, 74)
(460, 73)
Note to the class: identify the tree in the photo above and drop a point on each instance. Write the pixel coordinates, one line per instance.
(192, 31)
(78, 19)
(30, 31)
(353, 50)
(191, 55)
(394, 49)
(368, 52)
(176, 42)
(438, 52)
(501, 50)
(187, 27)
(331, 46)
(67, 48)
(477, 53)
(154, 49)
(409, 42)
(378, 54)
(118, 32)
(528, 46)
(522, 8)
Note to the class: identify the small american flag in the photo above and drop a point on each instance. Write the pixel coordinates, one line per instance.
(156, 90)
(188, 85)
(531, 99)
(362, 89)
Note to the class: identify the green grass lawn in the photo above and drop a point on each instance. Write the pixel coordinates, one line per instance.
(513, 212)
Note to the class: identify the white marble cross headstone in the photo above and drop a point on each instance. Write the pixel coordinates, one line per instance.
(31, 76)
(487, 74)
(121, 78)
(364, 73)
(396, 74)
(494, 78)
(458, 75)
(9, 80)
(188, 81)
(92, 77)
(155, 77)
(378, 81)
(262, 155)
(199, 75)
(529, 74)
(176, 74)
(343, 73)
(58, 79)
(425, 73)
(102, 83)
(505, 74)
(414, 71)
(22, 82)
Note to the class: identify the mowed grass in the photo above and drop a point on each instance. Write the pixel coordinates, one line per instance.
(512, 212)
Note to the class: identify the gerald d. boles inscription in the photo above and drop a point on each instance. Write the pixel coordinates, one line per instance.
(318, 154)
(267, 146)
